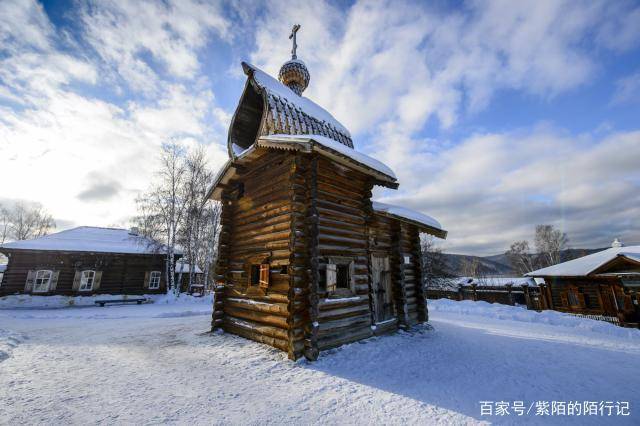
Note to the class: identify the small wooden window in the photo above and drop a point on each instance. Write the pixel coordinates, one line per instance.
(336, 276)
(407, 259)
(42, 281)
(86, 280)
(259, 275)
(254, 276)
(154, 280)
(572, 298)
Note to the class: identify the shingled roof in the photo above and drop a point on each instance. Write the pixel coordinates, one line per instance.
(268, 107)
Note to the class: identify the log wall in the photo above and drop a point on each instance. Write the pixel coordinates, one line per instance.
(256, 221)
(121, 273)
(344, 210)
(297, 212)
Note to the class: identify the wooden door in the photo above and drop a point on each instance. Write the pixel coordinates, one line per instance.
(381, 287)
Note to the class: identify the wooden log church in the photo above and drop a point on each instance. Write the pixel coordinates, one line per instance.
(307, 261)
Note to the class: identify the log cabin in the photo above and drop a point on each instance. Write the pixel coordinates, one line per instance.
(84, 261)
(307, 261)
(603, 285)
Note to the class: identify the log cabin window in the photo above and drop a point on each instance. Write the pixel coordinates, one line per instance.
(259, 276)
(42, 281)
(336, 277)
(154, 280)
(572, 297)
(254, 278)
(407, 259)
(86, 280)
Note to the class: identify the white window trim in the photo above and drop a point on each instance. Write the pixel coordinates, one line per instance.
(153, 284)
(83, 280)
(35, 280)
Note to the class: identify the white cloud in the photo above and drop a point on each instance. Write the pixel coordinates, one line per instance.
(405, 62)
(492, 189)
(85, 159)
(130, 36)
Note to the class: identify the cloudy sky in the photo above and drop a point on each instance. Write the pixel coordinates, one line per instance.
(496, 115)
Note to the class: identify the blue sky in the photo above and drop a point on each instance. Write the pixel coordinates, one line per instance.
(496, 115)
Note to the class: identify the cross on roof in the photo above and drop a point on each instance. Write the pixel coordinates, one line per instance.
(295, 29)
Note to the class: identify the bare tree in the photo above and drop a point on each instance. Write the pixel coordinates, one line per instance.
(550, 243)
(210, 234)
(28, 221)
(197, 180)
(148, 222)
(519, 254)
(5, 224)
(470, 268)
(175, 213)
(435, 269)
(167, 202)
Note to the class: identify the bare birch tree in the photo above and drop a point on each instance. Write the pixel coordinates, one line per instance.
(520, 257)
(550, 243)
(25, 221)
(167, 198)
(5, 224)
(211, 234)
(197, 180)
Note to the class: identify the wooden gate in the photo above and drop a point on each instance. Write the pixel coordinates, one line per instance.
(381, 287)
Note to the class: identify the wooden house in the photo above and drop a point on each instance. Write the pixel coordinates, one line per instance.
(524, 291)
(307, 261)
(182, 270)
(84, 261)
(604, 285)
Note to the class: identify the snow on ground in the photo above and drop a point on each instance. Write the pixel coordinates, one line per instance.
(145, 364)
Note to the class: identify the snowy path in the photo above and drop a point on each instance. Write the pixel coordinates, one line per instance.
(147, 364)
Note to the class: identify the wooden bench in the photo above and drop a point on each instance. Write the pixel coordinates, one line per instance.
(137, 300)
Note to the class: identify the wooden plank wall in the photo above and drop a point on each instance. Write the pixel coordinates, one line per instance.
(344, 208)
(121, 273)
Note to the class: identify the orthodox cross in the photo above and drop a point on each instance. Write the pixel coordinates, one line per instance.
(295, 29)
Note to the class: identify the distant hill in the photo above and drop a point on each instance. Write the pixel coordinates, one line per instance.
(488, 266)
(499, 265)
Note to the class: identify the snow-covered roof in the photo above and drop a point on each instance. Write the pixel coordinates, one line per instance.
(268, 107)
(90, 239)
(498, 281)
(584, 266)
(182, 267)
(325, 142)
(412, 216)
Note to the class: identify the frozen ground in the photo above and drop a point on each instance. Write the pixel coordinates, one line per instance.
(157, 363)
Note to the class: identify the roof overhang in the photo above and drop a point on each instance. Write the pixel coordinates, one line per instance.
(299, 143)
(312, 143)
(427, 229)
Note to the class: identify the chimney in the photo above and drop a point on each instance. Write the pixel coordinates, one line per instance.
(616, 243)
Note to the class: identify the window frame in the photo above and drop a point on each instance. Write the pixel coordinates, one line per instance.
(35, 281)
(344, 262)
(83, 281)
(152, 280)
